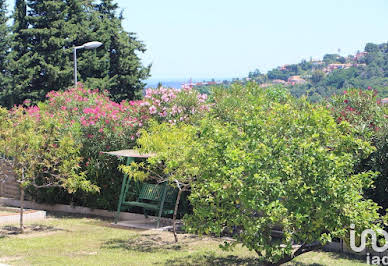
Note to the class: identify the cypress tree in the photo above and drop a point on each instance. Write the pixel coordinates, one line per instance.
(47, 40)
(4, 50)
(125, 72)
(20, 57)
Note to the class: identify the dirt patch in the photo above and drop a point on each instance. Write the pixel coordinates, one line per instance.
(33, 230)
(152, 241)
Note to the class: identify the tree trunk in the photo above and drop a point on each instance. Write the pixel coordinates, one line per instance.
(303, 249)
(21, 209)
(175, 213)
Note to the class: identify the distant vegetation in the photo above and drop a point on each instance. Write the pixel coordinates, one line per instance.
(319, 79)
(333, 74)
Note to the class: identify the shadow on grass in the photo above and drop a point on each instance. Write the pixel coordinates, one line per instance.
(297, 263)
(145, 243)
(210, 258)
(352, 257)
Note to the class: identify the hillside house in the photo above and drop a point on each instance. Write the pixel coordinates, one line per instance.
(294, 80)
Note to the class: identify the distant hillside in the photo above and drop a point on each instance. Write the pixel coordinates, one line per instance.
(333, 74)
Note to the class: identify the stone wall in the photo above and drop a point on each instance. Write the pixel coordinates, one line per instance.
(8, 188)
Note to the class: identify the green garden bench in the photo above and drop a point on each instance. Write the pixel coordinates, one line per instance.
(158, 198)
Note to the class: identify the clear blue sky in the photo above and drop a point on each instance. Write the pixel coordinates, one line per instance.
(229, 38)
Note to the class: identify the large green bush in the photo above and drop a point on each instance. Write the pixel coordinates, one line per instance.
(273, 172)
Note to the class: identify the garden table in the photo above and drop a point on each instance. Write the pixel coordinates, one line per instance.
(130, 155)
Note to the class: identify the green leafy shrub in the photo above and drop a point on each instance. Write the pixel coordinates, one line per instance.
(42, 152)
(172, 145)
(274, 173)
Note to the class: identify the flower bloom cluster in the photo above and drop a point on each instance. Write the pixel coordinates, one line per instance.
(103, 124)
(358, 107)
(173, 105)
(98, 124)
(100, 119)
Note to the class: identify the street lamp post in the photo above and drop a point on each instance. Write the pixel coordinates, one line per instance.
(88, 45)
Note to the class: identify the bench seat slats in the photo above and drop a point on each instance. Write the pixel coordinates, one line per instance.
(149, 206)
(150, 198)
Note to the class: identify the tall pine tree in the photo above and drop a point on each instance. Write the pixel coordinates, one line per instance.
(47, 41)
(121, 71)
(20, 61)
(4, 50)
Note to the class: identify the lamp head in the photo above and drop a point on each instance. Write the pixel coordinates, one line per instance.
(91, 45)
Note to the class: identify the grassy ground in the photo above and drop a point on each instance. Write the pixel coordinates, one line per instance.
(85, 241)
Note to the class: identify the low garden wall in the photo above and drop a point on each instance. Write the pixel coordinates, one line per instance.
(71, 209)
(12, 216)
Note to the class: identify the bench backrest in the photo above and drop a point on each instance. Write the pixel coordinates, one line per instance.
(154, 192)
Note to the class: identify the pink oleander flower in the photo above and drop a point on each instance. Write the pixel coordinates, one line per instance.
(165, 98)
(152, 109)
(163, 114)
(27, 102)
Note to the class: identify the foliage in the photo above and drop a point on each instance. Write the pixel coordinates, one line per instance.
(331, 58)
(105, 125)
(364, 111)
(172, 145)
(369, 69)
(41, 57)
(4, 48)
(361, 109)
(264, 163)
(174, 105)
(41, 152)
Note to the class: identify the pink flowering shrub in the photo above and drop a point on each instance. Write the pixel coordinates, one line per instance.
(174, 106)
(361, 108)
(104, 125)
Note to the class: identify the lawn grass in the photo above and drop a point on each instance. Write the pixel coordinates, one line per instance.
(87, 241)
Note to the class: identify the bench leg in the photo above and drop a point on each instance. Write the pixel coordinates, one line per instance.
(123, 192)
(162, 203)
(120, 199)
